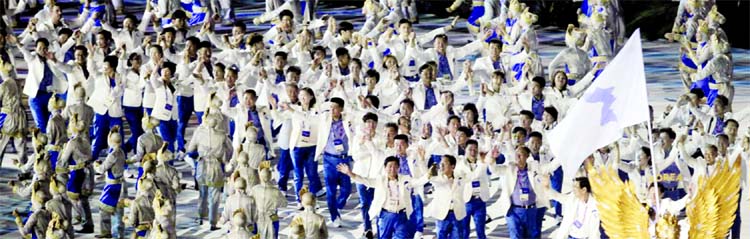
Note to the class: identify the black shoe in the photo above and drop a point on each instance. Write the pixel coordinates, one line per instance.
(86, 230)
(369, 235)
(103, 236)
(214, 228)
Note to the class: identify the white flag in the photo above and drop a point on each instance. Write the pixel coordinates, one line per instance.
(615, 100)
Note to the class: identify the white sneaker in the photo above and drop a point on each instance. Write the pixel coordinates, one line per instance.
(336, 223)
(418, 235)
(321, 193)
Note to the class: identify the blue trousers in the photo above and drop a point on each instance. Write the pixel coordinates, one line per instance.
(200, 117)
(336, 181)
(167, 130)
(556, 183)
(476, 209)
(285, 168)
(416, 219)
(184, 111)
(737, 221)
(102, 124)
(304, 163)
(449, 227)
(392, 225)
(524, 223)
(365, 199)
(39, 111)
(133, 116)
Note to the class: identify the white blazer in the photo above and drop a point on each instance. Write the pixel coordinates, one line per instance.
(240, 117)
(448, 195)
(452, 53)
(106, 99)
(75, 75)
(510, 171)
(36, 74)
(380, 184)
(324, 129)
(298, 118)
(165, 102)
(134, 85)
(478, 175)
(571, 210)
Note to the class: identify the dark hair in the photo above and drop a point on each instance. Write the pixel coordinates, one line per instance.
(723, 136)
(452, 117)
(282, 54)
(158, 48)
(252, 93)
(43, 41)
(255, 39)
(312, 94)
(111, 61)
(583, 182)
(450, 158)
(404, 21)
(240, 24)
(391, 125)
(472, 141)
(424, 66)
(168, 30)
(106, 34)
(539, 80)
(374, 74)
(564, 85)
(65, 31)
(318, 48)
(341, 51)
(131, 57)
(466, 130)
(519, 129)
(194, 40)
(220, 65)
(731, 121)
(131, 17)
(204, 44)
(179, 14)
(294, 69)
(496, 41)
(499, 73)
(698, 92)
(442, 36)
(83, 49)
(169, 65)
(723, 100)
(402, 137)
(338, 101)
(551, 111)
(408, 102)
(345, 26)
(524, 149)
(374, 101)
(473, 108)
(646, 151)
(286, 13)
(370, 116)
(535, 134)
(392, 159)
(527, 113)
(669, 132)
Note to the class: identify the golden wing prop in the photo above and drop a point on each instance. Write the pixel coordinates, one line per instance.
(622, 215)
(712, 211)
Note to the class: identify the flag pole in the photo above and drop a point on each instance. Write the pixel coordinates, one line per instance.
(653, 162)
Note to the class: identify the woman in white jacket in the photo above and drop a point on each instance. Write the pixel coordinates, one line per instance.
(165, 105)
(303, 138)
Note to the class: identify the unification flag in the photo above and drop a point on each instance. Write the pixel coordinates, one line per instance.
(616, 100)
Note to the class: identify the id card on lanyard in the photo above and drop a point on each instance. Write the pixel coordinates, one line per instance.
(525, 194)
(305, 133)
(338, 144)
